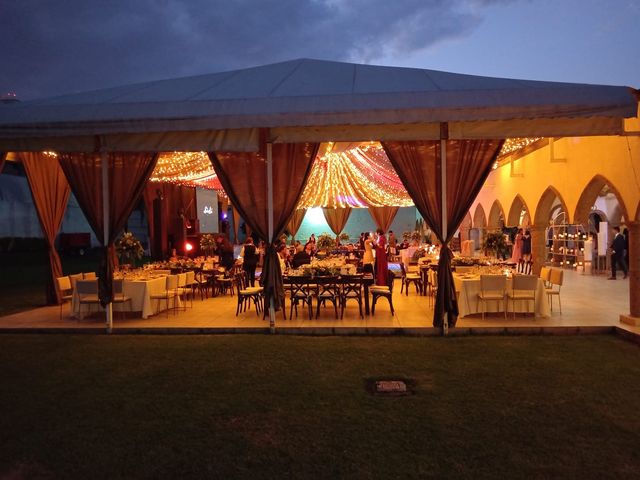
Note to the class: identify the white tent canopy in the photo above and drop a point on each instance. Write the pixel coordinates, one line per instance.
(311, 100)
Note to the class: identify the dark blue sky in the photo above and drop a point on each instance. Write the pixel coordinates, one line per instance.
(55, 47)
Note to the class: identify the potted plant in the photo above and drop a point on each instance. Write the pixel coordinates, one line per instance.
(129, 248)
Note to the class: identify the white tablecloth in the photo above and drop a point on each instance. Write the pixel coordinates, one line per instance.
(469, 288)
(140, 292)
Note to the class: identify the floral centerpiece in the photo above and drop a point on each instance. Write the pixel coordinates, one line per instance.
(344, 237)
(325, 267)
(325, 242)
(495, 243)
(129, 248)
(207, 244)
(465, 261)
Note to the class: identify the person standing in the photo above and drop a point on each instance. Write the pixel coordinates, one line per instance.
(617, 254)
(250, 260)
(393, 243)
(516, 254)
(381, 258)
(367, 258)
(526, 246)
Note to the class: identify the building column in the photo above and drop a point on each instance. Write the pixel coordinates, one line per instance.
(538, 247)
(634, 276)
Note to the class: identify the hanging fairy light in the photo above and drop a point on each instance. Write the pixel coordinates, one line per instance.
(512, 145)
(359, 177)
(191, 169)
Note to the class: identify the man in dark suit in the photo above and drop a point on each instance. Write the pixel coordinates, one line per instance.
(617, 254)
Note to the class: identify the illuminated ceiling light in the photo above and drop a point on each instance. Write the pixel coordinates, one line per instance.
(512, 145)
(192, 169)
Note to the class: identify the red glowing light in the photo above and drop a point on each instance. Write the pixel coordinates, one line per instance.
(188, 246)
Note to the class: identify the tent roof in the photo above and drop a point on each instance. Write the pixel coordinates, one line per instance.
(305, 93)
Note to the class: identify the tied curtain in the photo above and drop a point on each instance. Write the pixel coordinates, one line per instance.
(3, 157)
(296, 220)
(148, 196)
(244, 178)
(50, 191)
(336, 218)
(128, 174)
(383, 216)
(468, 163)
(236, 222)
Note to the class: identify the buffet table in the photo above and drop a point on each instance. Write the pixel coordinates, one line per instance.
(468, 288)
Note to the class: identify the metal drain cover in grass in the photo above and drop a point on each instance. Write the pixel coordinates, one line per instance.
(390, 387)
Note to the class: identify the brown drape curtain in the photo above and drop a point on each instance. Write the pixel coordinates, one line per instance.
(383, 216)
(50, 191)
(336, 218)
(148, 196)
(244, 177)
(3, 157)
(236, 222)
(128, 174)
(296, 220)
(468, 164)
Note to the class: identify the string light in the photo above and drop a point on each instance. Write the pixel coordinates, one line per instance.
(359, 177)
(191, 169)
(511, 145)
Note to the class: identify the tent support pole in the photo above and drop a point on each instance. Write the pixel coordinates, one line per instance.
(104, 163)
(272, 310)
(444, 134)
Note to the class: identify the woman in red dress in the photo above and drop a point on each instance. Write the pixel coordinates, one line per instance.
(381, 258)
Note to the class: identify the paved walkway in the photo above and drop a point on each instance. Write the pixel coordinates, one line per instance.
(587, 302)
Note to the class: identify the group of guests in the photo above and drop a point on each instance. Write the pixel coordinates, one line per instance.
(521, 247)
(377, 265)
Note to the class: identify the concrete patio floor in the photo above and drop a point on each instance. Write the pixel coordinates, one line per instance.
(589, 304)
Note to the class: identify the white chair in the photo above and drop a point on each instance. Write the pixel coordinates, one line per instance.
(89, 276)
(492, 289)
(524, 289)
(183, 290)
(555, 280)
(87, 291)
(74, 278)
(119, 297)
(66, 291)
(545, 273)
(170, 292)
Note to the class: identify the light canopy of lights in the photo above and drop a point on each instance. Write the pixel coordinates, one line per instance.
(359, 177)
(512, 145)
(192, 169)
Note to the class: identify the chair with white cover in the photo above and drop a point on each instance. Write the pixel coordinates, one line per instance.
(555, 280)
(170, 293)
(87, 291)
(74, 278)
(66, 291)
(409, 277)
(524, 289)
(545, 275)
(183, 290)
(89, 276)
(492, 289)
(119, 297)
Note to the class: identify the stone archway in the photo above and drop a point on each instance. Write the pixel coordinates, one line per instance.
(589, 197)
(515, 212)
(496, 216)
(545, 205)
(465, 227)
(480, 219)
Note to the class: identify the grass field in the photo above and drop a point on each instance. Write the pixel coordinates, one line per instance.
(297, 407)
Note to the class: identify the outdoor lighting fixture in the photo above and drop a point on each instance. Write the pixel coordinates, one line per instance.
(188, 246)
(191, 169)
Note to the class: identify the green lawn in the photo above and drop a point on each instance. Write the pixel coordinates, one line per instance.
(296, 407)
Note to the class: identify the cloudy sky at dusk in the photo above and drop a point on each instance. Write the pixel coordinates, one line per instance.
(50, 48)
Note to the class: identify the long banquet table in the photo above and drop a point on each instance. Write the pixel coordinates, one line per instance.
(468, 287)
(140, 292)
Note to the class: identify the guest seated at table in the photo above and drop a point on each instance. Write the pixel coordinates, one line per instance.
(300, 258)
(283, 252)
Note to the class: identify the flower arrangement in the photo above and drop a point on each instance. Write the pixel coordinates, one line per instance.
(207, 243)
(495, 243)
(344, 237)
(325, 242)
(465, 261)
(129, 248)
